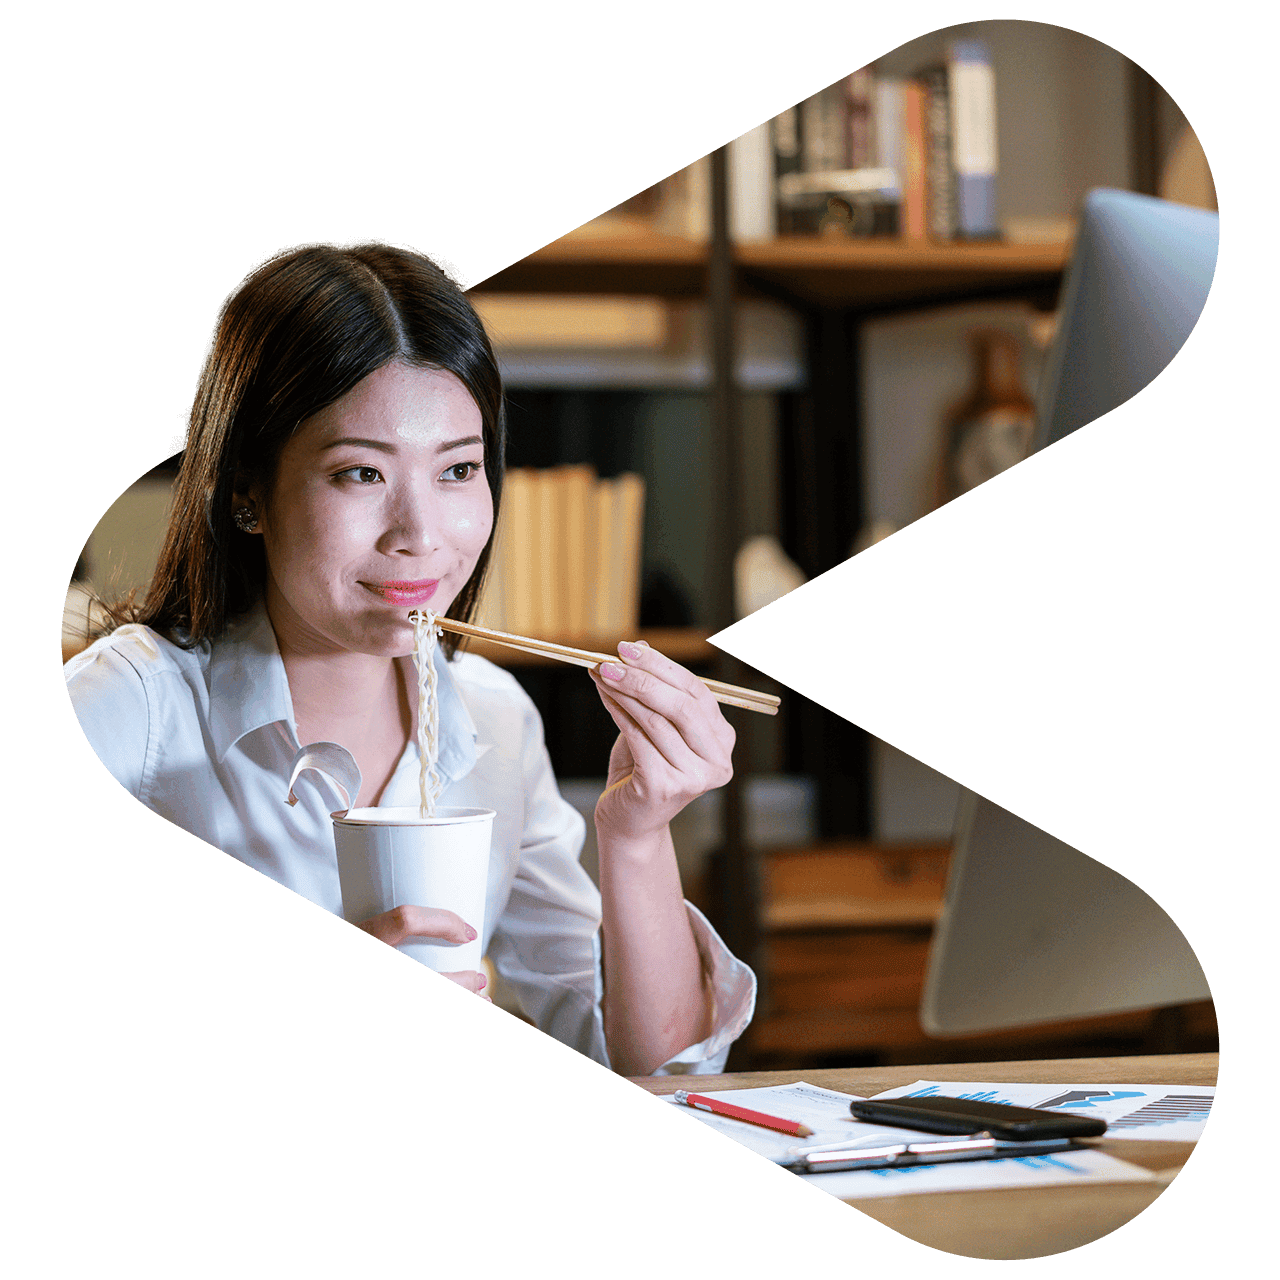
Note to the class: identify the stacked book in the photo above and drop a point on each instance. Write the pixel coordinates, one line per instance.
(875, 155)
(566, 563)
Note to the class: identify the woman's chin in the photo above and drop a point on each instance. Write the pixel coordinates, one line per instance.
(388, 641)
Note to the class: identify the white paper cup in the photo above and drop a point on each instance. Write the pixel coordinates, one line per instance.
(391, 858)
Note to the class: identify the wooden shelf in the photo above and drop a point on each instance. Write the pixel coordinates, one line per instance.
(895, 1034)
(870, 273)
(847, 933)
(876, 273)
(666, 266)
(685, 645)
(854, 886)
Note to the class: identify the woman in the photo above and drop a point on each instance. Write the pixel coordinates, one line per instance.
(344, 466)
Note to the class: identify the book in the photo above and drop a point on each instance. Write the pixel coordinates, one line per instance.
(567, 555)
(627, 528)
(752, 215)
(939, 175)
(600, 547)
(824, 131)
(574, 486)
(829, 179)
(784, 131)
(972, 95)
(544, 536)
(860, 90)
(915, 216)
(887, 129)
(518, 572)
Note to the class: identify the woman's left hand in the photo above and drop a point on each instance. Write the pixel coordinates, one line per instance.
(674, 744)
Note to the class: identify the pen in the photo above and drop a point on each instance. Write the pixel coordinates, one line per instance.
(702, 1103)
(833, 1157)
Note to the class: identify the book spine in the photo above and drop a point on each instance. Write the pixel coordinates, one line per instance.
(787, 158)
(576, 485)
(972, 92)
(546, 540)
(602, 504)
(628, 529)
(915, 223)
(824, 130)
(859, 111)
(888, 131)
(940, 178)
(752, 215)
(556, 590)
(521, 557)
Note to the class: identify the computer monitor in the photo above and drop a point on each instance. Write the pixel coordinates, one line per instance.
(1033, 931)
(1137, 282)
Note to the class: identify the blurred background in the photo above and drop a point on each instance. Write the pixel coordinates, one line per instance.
(736, 380)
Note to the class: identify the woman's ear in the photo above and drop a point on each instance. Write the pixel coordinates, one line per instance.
(246, 505)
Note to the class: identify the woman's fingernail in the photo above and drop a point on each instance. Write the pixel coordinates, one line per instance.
(471, 934)
(611, 671)
(629, 650)
(484, 981)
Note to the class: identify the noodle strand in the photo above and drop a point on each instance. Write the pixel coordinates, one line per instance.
(425, 633)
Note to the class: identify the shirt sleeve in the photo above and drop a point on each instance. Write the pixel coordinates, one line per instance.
(109, 698)
(547, 944)
(733, 990)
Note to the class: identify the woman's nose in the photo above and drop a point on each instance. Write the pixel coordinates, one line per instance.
(411, 524)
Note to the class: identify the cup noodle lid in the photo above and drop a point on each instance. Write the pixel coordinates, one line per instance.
(410, 816)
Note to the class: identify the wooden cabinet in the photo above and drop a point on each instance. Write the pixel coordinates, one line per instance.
(845, 945)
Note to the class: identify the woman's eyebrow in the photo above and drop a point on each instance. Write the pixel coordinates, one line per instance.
(361, 443)
(458, 444)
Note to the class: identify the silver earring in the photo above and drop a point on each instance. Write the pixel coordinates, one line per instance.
(245, 519)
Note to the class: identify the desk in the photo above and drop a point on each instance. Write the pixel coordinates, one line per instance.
(1024, 1223)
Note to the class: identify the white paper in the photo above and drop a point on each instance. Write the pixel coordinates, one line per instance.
(1150, 1112)
(825, 1111)
(980, 1175)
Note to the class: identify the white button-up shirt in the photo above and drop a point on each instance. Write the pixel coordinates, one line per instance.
(206, 737)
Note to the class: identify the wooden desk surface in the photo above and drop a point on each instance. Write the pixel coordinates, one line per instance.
(1023, 1223)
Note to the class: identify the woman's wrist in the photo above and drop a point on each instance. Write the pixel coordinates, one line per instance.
(638, 849)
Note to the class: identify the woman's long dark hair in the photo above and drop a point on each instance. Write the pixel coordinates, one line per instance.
(298, 335)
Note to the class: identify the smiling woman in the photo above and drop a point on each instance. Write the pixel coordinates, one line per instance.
(343, 466)
(386, 481)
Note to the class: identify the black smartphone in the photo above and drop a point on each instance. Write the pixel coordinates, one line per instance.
(965, 1115)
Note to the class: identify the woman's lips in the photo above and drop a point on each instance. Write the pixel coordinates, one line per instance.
(408, 594)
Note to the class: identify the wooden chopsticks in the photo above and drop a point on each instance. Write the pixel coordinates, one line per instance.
(730, 694)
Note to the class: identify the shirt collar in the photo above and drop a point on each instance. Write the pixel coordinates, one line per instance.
(248, 689)
(247, 684)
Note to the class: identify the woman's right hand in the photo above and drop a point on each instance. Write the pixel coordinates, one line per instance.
(402, 923)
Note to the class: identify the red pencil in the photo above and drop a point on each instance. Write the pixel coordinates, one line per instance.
(702, 1103)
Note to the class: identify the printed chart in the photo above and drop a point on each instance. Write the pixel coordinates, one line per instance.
(1171, 1113)
(826, 1111)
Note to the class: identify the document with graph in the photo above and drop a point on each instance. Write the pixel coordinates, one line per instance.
(826, 1113)
(1150, 1112)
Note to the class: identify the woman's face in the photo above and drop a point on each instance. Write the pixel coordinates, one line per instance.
(379, 506)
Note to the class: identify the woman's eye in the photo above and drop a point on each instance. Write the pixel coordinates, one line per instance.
(362, 475)
(461, 471)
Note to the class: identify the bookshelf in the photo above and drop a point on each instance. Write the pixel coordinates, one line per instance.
(873, 273)
(839, 932)
(836, 285)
